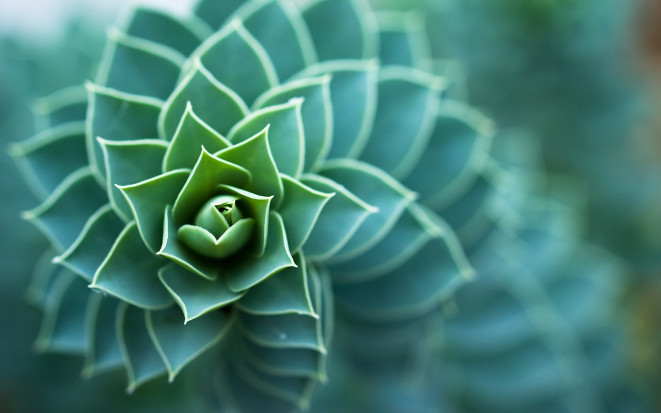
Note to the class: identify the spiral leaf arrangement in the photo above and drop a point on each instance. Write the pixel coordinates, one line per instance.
(232, 175)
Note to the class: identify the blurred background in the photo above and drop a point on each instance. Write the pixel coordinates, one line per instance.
(579, 79)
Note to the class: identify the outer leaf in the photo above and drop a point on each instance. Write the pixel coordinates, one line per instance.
(192, 133)
(202, 184)
(356, 40)
(103, 349)
(255, 156)
(63, 106)
(287, 362)
(403, 40)
(118, 116)
(87, 253)
(177, 344)
(460, 143)
(49, 157)
(377, 188)
(148, 200)
(300, 210)
(318, 130)
(196, 296)
(63, 327)
(127, 163)
(142, 361)
(237, 60)
(215, 13)
(130, 272)
(342, 215)
(353, 89)
(401, 131)
(139, 66)
(285, 292)
(286, 136)
(216, 104)
(242, 274)
(282, 331)
(62, 216)
(159, 27)
(277, 23)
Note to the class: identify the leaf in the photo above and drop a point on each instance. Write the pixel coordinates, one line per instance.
(203, 242)
(282, 331)
(49, 157)
(421, 284)
(405, 239)
(130, 272)
(377, 188)
(192, 133)
(318, 129)
(63, 326)
(358, 37)
(118, 116)
(403, 40)
(142, 360)
(285, 134)
(341, 217)
(255, 156)
(460, 143)
(245, 272)
(300, 209)
(216, 104)
(138, 66)
(62, 216)
(87, 253)
(63, 106)
(180, 344)
(353, 88)
(148, 200)
(127, 163)
(258, 208)
(181, 34)
(279, 29)
(283, 293)
(202, 184)
(236, 59)
(195, 296)
(401, 132)
(42, 279)
(103, 349)
(214, 12)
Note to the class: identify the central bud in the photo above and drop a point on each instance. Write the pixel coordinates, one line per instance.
(220, 228)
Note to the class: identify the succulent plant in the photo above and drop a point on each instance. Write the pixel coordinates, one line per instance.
(229, 178)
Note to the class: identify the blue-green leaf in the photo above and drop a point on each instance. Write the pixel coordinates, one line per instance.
(282, 331)
(255, 156)
(401, 131)
(127, 163)
(148, 200)
(62, 216)
(236, 59)
(285, 134)
(49, 157)
(63, 106)
(342, 215)
(316, 114)
(282, 293)
(403, 40)
(179, 344)
(353, 98)
(278, 27)
(300, 210)
(87, 253)
(103, 349)
(130, 272)
(179, 33)
(195, 296)
(142, 360)
(216, 104)
(139, 66)
(245, 272)
(118, 116)
(215, 12)
(358, 38)
(63, 326)
(378, 189)
(192, 134)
